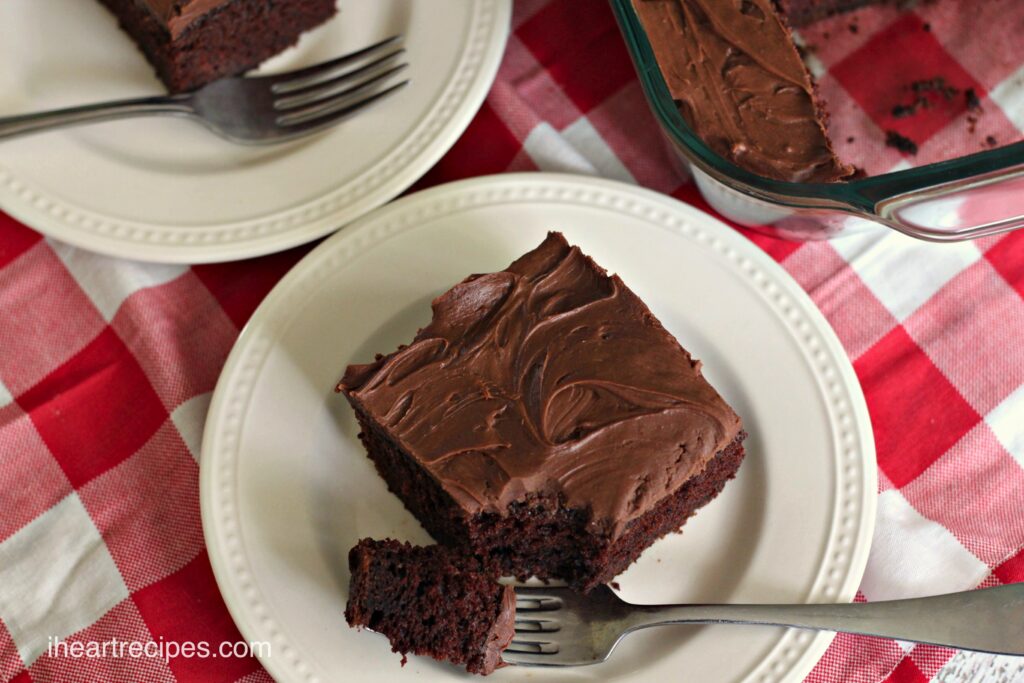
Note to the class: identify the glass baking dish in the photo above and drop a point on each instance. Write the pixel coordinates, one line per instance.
(964, 198)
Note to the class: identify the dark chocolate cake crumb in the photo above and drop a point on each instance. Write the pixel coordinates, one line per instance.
(901, 111)
(973, 101)
(928, 91)
(900, 142)
(936, 85)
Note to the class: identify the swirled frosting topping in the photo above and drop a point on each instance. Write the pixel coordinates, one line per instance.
(739, 82)
(550, 377)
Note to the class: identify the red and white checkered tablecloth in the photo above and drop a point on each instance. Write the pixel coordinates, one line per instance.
(106, 366)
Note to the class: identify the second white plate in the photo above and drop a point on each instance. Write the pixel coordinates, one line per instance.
(287, 488)
(162, 189)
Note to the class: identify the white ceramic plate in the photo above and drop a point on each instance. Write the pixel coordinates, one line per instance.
(287, 489)
(163, 189)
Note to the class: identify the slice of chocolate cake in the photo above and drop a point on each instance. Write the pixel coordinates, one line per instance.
(193, 42)
(545, 421)
(431, 601)
(739, 81)
(740, 84)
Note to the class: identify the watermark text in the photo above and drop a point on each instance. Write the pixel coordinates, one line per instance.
(117, 648)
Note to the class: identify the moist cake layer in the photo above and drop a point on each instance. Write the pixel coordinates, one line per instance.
(431, 601)
(193, 42)
(551, 380)
(537, 537)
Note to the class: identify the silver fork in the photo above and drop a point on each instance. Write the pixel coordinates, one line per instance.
(253, 110)
(558, 627)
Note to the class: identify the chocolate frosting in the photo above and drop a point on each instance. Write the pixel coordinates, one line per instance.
(178, 15)
(549, 377)
(739, 82)
(502, 631)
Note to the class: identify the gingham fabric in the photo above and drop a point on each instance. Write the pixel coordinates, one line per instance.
(106, 366)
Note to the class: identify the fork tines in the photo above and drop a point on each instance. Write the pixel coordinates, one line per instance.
(535, 624)
(319, 95)
(556, 626)
(537, 600)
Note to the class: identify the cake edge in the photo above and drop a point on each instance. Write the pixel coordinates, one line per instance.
(494, 640)
(183, 64)
(595, 558)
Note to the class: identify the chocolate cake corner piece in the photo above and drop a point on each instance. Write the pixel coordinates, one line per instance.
(431, 601)
(545, 421)
(193, 42)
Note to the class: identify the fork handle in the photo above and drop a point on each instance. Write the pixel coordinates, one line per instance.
(38, 122)
(986, 620)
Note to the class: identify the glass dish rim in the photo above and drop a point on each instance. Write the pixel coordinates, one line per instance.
(865, 197)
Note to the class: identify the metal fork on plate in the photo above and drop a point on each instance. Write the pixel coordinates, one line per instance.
(557, 627)
(253, 110)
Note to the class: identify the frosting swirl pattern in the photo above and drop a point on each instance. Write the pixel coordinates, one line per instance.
(549, 377)
(739, 82)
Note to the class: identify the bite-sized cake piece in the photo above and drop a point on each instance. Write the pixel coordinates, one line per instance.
(740, 84)
(546, 421)
(193, 42)
(431, 601)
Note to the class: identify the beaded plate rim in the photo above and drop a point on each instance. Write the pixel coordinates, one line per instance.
(447, 118)
(846, 549)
